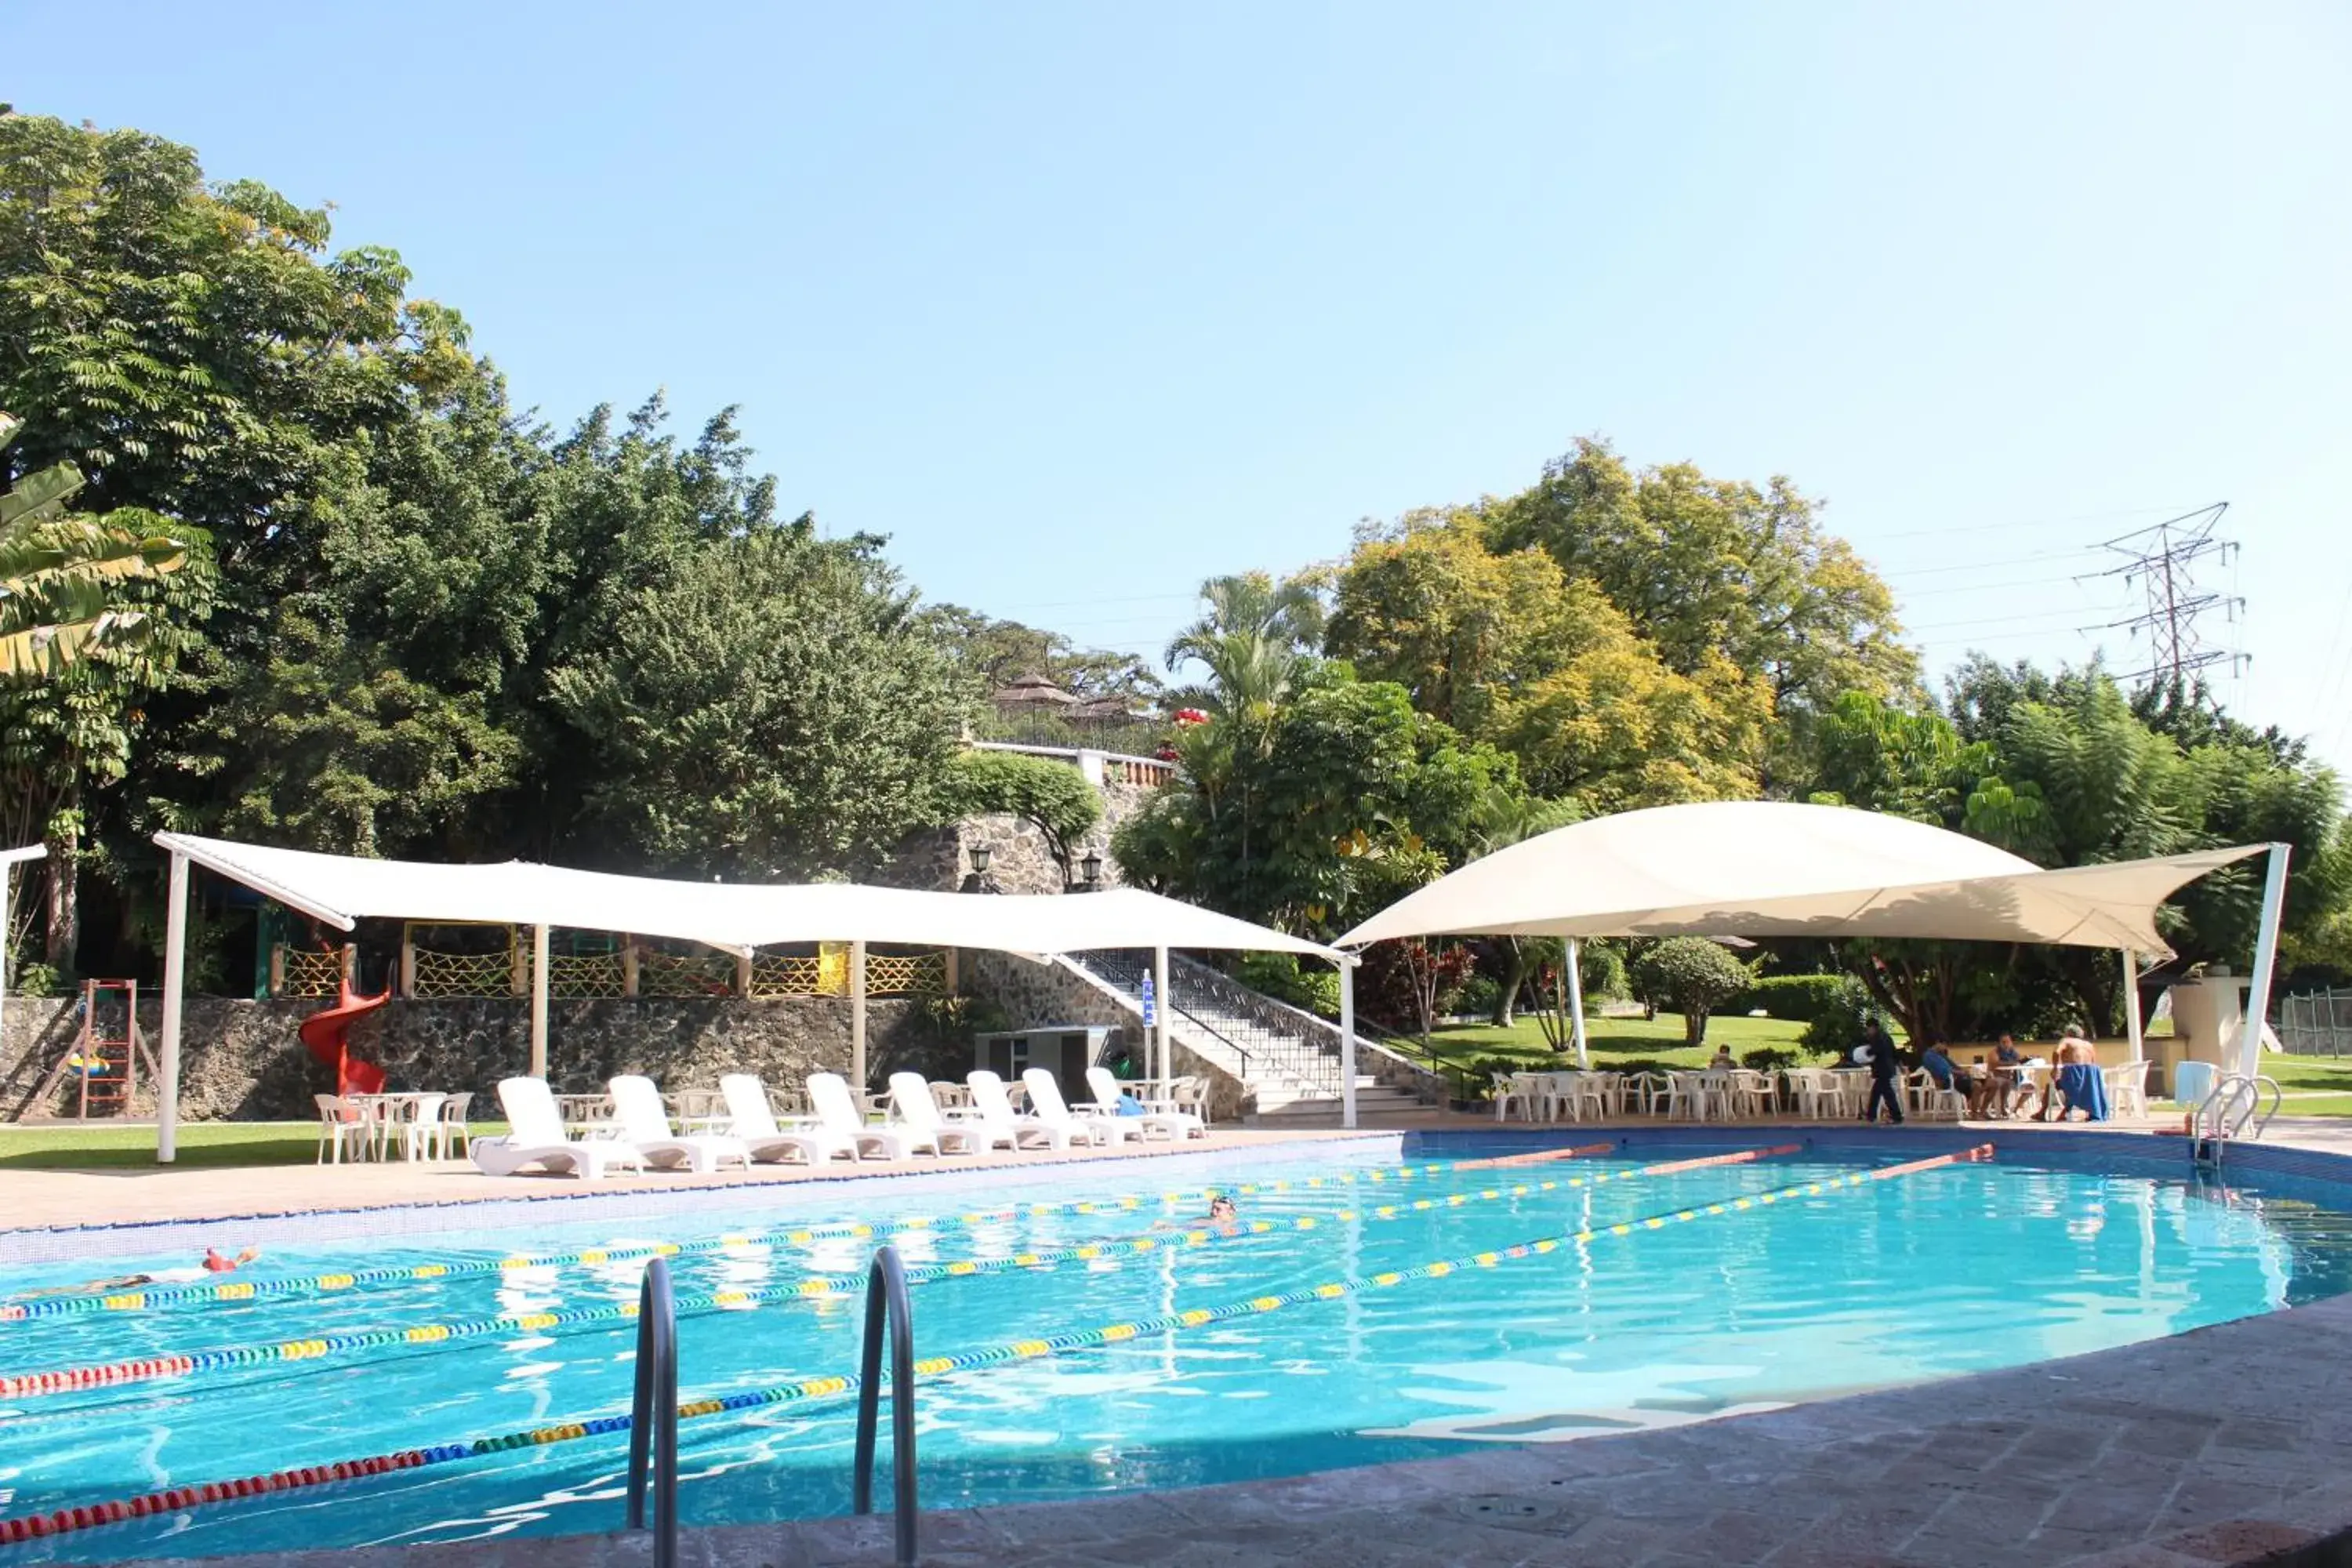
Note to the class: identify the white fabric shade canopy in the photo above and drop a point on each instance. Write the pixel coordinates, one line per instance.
(1779, 868)
(340, 890)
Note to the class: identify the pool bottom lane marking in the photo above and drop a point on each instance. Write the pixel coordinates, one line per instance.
(245, 1292)
(64, 1520)
(184, 1363)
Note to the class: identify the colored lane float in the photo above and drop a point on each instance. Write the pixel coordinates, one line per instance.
(245, 1292)
(176, 1499)
(147, 1369)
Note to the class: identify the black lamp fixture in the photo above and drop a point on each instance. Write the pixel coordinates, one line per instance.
(980, 882)
(1091, 868)
(980, 854)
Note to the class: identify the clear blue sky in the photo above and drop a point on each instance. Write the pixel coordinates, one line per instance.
(1083, 303)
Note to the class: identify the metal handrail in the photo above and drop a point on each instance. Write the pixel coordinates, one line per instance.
(653, 1423)
(886, 1303)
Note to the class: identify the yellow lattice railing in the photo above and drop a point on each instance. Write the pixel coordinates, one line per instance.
(442, 974)
(685, 974)
(586, 974)
(309, 973)
(905, 974)
(779, 974)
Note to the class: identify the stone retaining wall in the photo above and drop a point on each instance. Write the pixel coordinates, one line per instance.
(242, 1060)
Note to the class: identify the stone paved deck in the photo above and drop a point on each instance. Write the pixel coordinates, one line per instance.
(2227, 1444)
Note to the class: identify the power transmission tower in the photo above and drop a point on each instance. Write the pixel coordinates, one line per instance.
(2163, 561)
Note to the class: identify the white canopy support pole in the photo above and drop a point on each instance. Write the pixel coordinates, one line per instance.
(857, 1015)
(1573, 981)
(175, 976)
(1165, 1005)
(539, 1001)
(1347, 1042)
(2258, 995)
(2131, 1007)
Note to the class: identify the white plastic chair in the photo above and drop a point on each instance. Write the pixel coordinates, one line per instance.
(535, 1137)
(1177, 1125)
(341, 1124)
(417, 1120)
(1509, 1095)
(837, 1113)
(911, 1103)
(1747, 1093)
(1046, 1104)
(644, 1121)
(2126, 1089)
(993, 1110)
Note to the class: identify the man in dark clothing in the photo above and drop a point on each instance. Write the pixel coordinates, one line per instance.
(1886, 1073)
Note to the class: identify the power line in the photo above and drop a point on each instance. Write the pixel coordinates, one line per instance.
(2163, 561)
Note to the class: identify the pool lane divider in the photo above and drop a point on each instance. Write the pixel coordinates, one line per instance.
(147, 1369)
(66, 1521)
(242, 1292)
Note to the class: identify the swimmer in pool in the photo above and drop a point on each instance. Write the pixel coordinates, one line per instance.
(1224, 1219)
(215, 1262)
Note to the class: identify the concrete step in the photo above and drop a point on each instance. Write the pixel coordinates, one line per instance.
(1324, 1110)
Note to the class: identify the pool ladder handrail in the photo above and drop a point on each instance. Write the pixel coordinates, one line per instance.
(653, 1425)
(2224, 1112)
(886, 1305)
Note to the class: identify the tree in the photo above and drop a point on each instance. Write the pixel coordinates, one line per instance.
(1254, 638)
(1348, 799)
(769, 707)
(1051, 796)
(1716, 566)
(995, 653)
(1510, 649)
(1692, 975)
(60, 575)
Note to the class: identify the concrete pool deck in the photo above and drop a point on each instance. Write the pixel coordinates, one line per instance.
(2226, 1444)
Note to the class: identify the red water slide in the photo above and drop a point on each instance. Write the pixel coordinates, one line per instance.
(327, 1036)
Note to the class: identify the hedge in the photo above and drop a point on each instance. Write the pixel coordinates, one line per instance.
(1797, 998)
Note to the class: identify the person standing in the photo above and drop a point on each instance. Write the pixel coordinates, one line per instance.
(1877, 1049)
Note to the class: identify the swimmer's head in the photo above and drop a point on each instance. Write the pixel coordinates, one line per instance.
(1221, 1207)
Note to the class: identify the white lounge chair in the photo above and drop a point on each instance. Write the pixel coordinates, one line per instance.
(993, 1110)
(644, 1124)
(751, 1118)
(837, 1113)
(535, 1137)
(1046, 1103)
(1177, 1125)
(918, 1114)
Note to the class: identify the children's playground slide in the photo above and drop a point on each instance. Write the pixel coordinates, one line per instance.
(326, 1034)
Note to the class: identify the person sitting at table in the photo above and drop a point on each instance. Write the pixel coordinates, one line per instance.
(1941, 1068)
(1721, 1061)
(2006, 1076)
(2077, 1083)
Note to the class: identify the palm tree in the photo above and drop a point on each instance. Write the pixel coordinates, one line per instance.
(58, 572)
(1254, 637)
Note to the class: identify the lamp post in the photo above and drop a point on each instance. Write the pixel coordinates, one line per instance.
(1090, 867)
(980, 882)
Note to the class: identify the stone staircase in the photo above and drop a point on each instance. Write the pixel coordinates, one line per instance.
(1286, 1060)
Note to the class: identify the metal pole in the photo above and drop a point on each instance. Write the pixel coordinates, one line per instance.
(2258, 995)
(857, 1015)
(175, 976)
(1572, 980)
(1347, 1041)
(2131, 1006)
(539, 1002)
(653, 1421)
(1167, 1005)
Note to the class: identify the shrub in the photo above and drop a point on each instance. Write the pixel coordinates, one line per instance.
(1051, 795)
(1842, 1018)
(1797, 998)
(1479, 995)
(1693, 976)
(1313, 988)
(1772, 1058)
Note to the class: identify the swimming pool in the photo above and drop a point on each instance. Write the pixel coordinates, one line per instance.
(1948, 1271)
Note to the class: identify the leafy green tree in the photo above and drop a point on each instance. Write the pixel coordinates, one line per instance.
(1254, 639)
(1691, 975)
(769, 707)
(995, 653)
(1351, 799)
(1050, 796)
(1717, 566)
(1510, 649)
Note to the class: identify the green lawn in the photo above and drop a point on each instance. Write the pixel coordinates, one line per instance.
(201, 1143)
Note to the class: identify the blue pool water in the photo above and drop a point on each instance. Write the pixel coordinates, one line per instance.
(1951, 1271)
